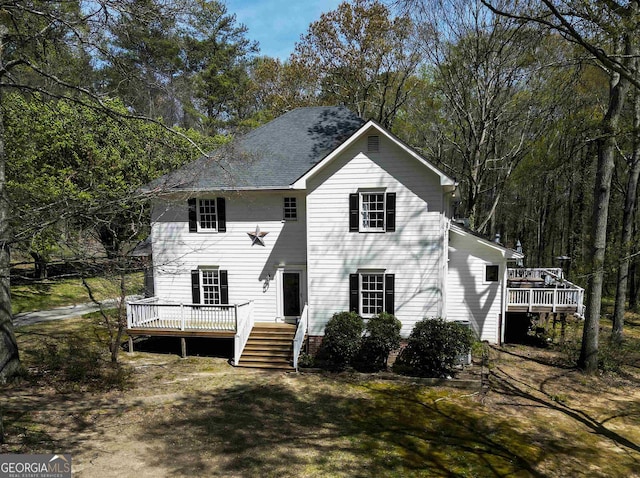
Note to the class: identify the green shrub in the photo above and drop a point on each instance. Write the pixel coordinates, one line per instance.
(433, 348)
(381, 337)
(342, 338)
(306, 361)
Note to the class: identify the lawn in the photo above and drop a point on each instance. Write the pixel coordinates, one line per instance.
(56, 293)
(537, 416)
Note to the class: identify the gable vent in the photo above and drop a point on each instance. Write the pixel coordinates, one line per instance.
(373, 144)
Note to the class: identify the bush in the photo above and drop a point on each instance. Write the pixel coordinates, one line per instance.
(381, 337)
(433, 348)
(342, 338)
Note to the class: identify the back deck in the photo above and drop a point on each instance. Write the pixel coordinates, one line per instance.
(543, 290)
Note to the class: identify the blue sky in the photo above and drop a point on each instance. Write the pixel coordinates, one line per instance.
(278, 24)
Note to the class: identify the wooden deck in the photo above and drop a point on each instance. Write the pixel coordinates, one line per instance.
(543, 291)
(159, 332)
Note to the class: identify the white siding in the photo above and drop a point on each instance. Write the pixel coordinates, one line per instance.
(469, 296)
(414, 252)
(176, 251)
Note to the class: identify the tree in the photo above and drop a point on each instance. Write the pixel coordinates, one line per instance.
(362, 57)
(488, 91)
(183, 61)
(630, 204)
(87, 167)
(609, 31)
(34, 36)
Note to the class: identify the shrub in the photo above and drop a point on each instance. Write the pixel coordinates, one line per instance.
(433, 348)
(306, 361)
(342, 338)
(381, 337)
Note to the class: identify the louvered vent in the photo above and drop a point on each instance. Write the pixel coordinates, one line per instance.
(373, 144)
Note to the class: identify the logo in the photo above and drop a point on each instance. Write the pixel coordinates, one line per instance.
(35, 466)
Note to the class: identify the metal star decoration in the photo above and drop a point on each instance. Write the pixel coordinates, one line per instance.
(257, 237)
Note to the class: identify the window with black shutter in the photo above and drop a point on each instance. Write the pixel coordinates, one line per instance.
(372, 211)
(209, 286)
(371, 292)
(207, 215)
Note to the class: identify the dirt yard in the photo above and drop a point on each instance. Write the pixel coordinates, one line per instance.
(536, 416)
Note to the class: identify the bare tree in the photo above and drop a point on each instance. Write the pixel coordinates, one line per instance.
(609, 31)
(487, 84)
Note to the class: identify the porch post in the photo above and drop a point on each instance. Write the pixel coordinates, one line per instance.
(235, 306)
(181, 316)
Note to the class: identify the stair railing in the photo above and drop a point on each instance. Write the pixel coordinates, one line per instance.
(298, 339)
(244, 321)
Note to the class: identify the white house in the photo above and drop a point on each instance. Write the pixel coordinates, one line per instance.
(314, 213)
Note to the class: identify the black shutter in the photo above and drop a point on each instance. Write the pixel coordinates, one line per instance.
(390, 217)
(193, 215)
(222, 215)
(389, 293)
(354, 296)
(195, 286)
(353, 213)
(224, 287)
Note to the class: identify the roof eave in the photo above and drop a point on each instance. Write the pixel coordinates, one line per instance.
(506, 252)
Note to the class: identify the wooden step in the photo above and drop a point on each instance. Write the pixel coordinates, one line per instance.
(266, 365)
(285, 354)
(270, 346)
(259, 347)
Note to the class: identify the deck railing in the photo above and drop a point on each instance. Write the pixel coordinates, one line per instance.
(298, 340)
(154, 313)
(554, 299)
(244, 323)
(535, 273)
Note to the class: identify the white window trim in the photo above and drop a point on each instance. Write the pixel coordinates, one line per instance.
(368, 272)
(198, 215)
(484, 274)
(302, 269)
(215, 269)
(361, 227)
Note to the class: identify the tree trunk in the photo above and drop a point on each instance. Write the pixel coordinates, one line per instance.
(39, 265)
(602, 192)
(633, 278)
(9, 357)
(627, 227)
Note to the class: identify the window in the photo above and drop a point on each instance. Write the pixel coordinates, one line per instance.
(290, 209)
(491, 273)
(371, 293)
(372, 211)
(207, 218)
(207, 215)
(209, 286)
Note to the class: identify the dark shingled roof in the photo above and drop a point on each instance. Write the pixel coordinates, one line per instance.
(270, 157)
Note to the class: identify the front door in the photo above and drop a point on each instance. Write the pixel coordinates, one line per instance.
(291, 294)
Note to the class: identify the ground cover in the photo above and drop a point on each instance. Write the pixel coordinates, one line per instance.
(48, 294)
(166, 416)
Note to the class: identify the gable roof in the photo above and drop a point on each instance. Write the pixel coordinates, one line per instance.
(272, 156)
(366, 129)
